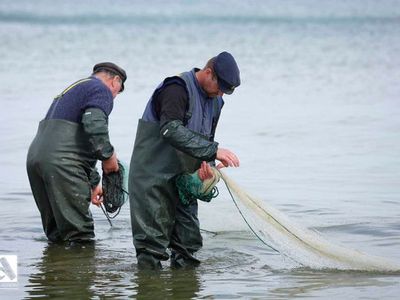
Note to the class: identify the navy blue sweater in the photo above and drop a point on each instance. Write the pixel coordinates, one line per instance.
(88, 94)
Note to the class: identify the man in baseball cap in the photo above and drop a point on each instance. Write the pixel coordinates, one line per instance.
(112, 68)
(227, 72)
(175, 136)
(62, 158)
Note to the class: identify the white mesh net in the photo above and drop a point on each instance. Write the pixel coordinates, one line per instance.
(302, 245)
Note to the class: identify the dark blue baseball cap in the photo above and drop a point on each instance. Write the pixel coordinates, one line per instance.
(227, 72)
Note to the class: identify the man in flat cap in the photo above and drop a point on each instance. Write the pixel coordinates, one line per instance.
(176, 136)
(62, 157)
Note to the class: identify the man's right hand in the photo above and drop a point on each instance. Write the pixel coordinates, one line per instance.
(110, 165)
(227, 158)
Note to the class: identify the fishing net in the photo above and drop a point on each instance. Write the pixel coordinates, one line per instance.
(306, 247)
(114, 191)
(191, 187)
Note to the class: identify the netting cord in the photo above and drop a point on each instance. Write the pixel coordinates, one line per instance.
(244, 218)
(106, 214)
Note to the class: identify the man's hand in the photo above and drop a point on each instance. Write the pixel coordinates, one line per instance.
(227, 158)
(205, 171)
(97, 195)
(110, 165)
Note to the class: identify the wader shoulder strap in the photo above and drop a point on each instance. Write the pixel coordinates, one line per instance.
(71, 87)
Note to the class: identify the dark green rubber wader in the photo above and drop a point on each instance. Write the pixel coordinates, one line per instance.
(159, 221)
(59, 164)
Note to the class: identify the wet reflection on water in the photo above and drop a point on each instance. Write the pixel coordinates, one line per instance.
(234, 265)
(170, 284)
(64, 272)
(88, 272)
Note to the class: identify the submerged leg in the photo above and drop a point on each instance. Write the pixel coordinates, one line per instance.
(69, 192)
(186, 237)
(152, 217)
(40, 195)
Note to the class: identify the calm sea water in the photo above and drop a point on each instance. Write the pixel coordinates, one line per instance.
(315, 123)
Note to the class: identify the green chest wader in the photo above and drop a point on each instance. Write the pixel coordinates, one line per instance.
(59, 164)
(158, 219)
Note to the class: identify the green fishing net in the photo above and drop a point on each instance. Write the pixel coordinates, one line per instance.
(190, 187)
(114, 191)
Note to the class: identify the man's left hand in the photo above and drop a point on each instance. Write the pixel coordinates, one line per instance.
(205, 171)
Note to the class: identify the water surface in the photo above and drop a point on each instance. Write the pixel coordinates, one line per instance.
(315, 123)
